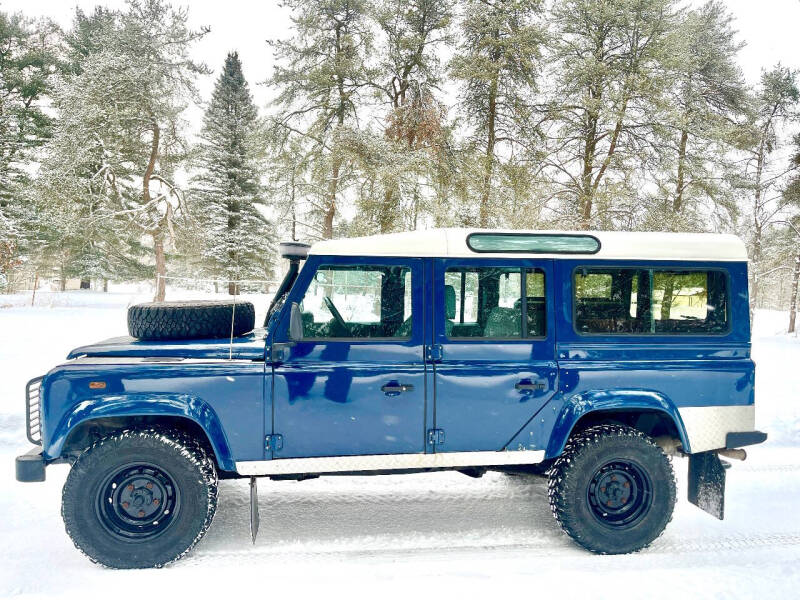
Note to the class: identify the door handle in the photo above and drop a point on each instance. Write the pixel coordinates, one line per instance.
(526, 385)
(393, 388)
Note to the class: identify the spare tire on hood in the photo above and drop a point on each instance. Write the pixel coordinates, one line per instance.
(190, 320)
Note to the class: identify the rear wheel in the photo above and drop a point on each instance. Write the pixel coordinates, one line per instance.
(139, 498)
(612, 490)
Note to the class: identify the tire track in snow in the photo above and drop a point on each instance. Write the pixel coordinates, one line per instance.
(547, 546)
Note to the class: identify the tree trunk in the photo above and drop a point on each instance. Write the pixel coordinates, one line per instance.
(233, 288)
(488, 167)
(757, 236)
(327, 228)
(105, 285)
(158, 233)
(793, 302)
(330, 213)
(589, 147)
(294, 207)
(666, 299)
(161, 266)
(35, 285)
(386, 216)
(677, 204)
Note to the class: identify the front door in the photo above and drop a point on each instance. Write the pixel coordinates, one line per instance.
(355, 384)
(495, 369)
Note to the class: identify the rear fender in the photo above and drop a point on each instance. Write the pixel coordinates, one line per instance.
(620, 401)
(138, 405)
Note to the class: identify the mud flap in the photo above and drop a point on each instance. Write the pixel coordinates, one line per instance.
(707, 483)
(254, 517)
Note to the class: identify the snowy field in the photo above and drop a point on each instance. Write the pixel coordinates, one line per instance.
(437, 535)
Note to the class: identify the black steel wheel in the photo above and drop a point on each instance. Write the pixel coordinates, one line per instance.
(612, 490)
(620, 494)
(137, 501)
(140, 498)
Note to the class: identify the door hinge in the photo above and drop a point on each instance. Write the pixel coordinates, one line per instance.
(273, 442)
(280, 352)
(434, 353)
(435, 437)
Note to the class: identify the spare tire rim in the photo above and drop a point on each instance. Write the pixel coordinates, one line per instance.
(137, 502)
(620, 494)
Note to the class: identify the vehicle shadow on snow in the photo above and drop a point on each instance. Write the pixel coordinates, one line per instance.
(400, 513)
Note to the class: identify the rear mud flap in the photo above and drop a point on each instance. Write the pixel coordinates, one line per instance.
(707, 483)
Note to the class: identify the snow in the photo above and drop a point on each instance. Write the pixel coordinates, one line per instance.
(442, 535)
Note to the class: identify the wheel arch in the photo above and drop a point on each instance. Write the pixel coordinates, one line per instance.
(647, 411)
(101, 416)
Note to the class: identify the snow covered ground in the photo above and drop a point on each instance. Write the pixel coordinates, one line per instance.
(439, 535)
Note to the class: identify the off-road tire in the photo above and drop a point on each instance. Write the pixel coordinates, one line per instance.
(187, 464)
(190, 320)
(585, 456)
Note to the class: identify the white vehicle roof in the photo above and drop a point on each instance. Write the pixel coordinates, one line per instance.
(613, 245)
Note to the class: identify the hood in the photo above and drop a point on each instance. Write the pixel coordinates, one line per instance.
(249, 347)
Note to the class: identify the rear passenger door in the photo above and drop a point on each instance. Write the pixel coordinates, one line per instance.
(492, 369)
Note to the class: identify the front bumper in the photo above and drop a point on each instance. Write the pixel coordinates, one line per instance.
(30, 466)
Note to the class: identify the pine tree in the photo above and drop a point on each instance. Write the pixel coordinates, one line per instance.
(320, 74)
(121, 124)
(608, 75)
(773, 105)
(29, 64)
(705, 105)
(497, 63)
(408, 76)
(236, 237)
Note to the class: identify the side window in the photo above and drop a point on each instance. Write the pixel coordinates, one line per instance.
(358, 301)
(488, 302)
(650, 301)
(690, 302)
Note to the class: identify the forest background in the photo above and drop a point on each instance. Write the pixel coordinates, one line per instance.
(384, 115)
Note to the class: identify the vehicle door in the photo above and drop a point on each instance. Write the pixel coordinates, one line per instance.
(354, 383)
(493, 369)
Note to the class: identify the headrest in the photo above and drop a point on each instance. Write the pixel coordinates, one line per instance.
(449, 302)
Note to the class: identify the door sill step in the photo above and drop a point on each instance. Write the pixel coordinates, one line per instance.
(387, 462)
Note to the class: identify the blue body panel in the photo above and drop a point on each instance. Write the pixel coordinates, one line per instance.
(648, 372)
(324, 396)
(225, 399)
(249, 347)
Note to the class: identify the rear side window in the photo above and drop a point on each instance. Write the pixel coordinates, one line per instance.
(650, 301)
(358, 302)
(489, 303)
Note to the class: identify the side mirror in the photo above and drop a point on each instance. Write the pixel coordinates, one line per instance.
(295, 323)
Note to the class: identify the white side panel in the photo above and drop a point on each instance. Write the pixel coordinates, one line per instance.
(613, 245)
(707, 426)
(386, 462)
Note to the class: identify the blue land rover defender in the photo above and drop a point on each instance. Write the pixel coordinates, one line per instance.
(591, 358)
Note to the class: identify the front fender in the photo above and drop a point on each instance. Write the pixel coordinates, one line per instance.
(138, 405)
(590, 401)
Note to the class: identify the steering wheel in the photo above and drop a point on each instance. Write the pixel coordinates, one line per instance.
(337, 316)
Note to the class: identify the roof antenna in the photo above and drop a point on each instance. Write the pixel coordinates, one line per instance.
(233, 317)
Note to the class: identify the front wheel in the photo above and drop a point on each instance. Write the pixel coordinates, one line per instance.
(139, 498)
(612, 490)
